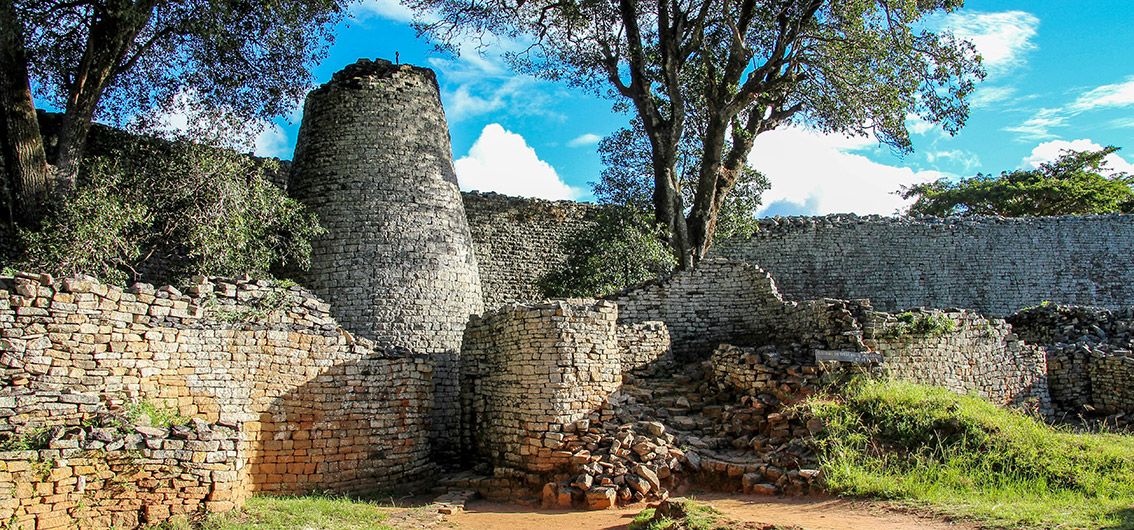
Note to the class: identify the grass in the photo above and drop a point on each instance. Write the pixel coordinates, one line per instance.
(157, 415)
(964, 456)
(697, 517)
(910, 323)
(293, 513)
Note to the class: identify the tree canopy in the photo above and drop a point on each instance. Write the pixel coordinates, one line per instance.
(225, 63)
(737, 67)
(628, 180)
(1074, 184)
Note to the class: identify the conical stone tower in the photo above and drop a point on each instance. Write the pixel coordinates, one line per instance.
(374, 161)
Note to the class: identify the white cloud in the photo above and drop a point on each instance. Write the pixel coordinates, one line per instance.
(584, 140)
(1039, 126)
(387, 9)
(272, 141)
(918, 125)
(502, 161)
(815, 174)
(1002, 39)
(1116, 95)
(1051, 151)
(987, 96)
(966, 160)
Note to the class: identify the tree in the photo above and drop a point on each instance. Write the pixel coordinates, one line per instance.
(127, 61)
(1074, 184)
(628, 180)
(853, 66)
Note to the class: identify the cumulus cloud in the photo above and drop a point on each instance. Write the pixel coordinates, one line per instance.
(816, 174)
(584, 140)
(1050, 151)
(502, 161)
(1116, 95)
(1003, 39)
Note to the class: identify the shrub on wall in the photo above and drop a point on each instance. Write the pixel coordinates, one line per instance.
(621, 250)
(175, 209)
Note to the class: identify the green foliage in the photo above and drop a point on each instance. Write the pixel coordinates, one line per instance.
(929, 324)
(693, 516)
(964, 456)
(154, 415)
(621, 250)
(180, 207)
(1072, 185)
(628, 180)
(309, 513)
(29, 441)
(263, 308)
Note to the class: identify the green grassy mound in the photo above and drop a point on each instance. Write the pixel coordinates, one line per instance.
(964, 456)
(290, 513)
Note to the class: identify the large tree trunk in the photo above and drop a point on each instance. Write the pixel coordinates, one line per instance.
(711, 188)
(112, 33)
(21, 145)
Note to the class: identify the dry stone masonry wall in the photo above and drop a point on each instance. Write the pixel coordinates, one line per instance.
(373, 161)
(520, 241)
(531, 373)
(964, 352)
(1090, 366)
(317, 408)
(993, 265)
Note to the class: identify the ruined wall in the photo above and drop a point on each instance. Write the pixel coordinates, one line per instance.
(319, 409)
(373, 161)
(529, 373)
(518, 241)
(106, 478)
(734, 302)
(1089, 361)
(646, 347)
(993, 265)
(963, 352)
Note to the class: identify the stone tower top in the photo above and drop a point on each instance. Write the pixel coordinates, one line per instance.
(365, 72)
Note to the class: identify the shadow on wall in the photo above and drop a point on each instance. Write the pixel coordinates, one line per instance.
(356, 427)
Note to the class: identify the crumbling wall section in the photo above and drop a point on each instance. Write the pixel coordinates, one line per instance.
(319, 408)
(962, 351)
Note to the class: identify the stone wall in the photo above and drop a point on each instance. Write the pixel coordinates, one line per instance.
(735, 302)
(518, 241)
(319, 408)
(1089, 361)
(373, 161)
(645, 347)
(530, 374)
(107, 478)
(993, 265)
(963, 352)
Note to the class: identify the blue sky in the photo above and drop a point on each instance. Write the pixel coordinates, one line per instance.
(1061, 74)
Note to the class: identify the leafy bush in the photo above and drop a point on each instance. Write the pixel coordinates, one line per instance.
(621, 250)
(175, 209)
(910, 323)
(963, 455)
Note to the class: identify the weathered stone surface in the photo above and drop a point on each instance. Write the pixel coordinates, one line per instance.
(373, 161)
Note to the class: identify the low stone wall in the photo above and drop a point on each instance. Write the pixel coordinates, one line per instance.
(1090, 366)
(319, 409)
(644, 347)
(962, 351)
(531, 374)
(105, 478)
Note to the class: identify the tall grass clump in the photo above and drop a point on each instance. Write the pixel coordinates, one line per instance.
(964, 456)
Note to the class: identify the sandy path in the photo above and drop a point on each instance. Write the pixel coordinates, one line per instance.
(810, 513)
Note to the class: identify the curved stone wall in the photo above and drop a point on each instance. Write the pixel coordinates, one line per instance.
(373, 160)
(993, 265)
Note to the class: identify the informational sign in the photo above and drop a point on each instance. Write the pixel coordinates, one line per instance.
(853, 357)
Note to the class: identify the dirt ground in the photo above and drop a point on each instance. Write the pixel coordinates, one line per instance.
(809, 513)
